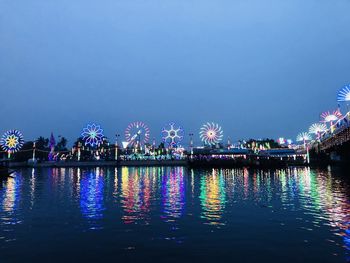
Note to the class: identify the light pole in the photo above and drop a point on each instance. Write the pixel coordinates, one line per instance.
(191, 144)
(116, 147)
(79, 146)
(9, 154)
(306, 146)
(34, 146)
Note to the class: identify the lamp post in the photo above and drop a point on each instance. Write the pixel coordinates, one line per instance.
(304, 137)
(116, 147)
(191, 144)
(79, 146)
(34, 147)
(306, 146)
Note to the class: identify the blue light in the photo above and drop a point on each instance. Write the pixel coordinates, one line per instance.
(92, 134)
(344, 94)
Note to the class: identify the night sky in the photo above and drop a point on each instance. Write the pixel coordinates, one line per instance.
(260, 68)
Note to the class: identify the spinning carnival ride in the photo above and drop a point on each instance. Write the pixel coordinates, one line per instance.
(92, 135)
(211, 133)
(137, 134)
(12, 141)
(172, 134)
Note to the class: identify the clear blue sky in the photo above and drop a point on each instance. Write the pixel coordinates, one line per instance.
(260, 68)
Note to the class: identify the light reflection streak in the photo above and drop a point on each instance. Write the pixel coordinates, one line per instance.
(12, 194)
(32, 188)
(115, 192)
(136, 185)
(11, 201)
(212, 197)
(173, 194)
(92, 197)
(246, 182)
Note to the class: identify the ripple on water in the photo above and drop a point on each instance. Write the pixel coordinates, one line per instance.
(149, 206)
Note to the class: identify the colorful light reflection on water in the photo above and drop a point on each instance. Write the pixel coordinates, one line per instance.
(212, 196)
(214, 212)
(173, 194)
(91, 197)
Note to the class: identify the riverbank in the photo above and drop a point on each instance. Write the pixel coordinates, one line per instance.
(195, 163)
(101, 163)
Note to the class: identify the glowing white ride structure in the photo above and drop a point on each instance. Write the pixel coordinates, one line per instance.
(317, 129)
(137, 134)
(344, 96)
(330, 117)
(172, 134)
(211, 133)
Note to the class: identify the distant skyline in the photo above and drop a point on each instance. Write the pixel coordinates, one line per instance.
(259, 68)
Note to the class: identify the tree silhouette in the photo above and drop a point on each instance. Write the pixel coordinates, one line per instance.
(61, 145)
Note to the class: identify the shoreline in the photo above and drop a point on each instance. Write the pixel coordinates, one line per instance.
(144, 163)
(259, 162)
(100, 163)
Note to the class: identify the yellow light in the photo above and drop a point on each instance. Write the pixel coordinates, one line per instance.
(12, 141)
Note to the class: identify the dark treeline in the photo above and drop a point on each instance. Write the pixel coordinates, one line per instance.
(42, 146)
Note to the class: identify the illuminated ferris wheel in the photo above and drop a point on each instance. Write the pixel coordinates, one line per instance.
(344, 94)
(172, 134)
(317, 128)
(330, 117)
(303, 137)
(12, 141)
(137, 133)
(211, 133)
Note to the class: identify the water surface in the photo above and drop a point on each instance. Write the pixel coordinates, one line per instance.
(175, 214)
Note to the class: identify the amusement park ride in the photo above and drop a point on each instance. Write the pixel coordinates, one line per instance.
(328, 134)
